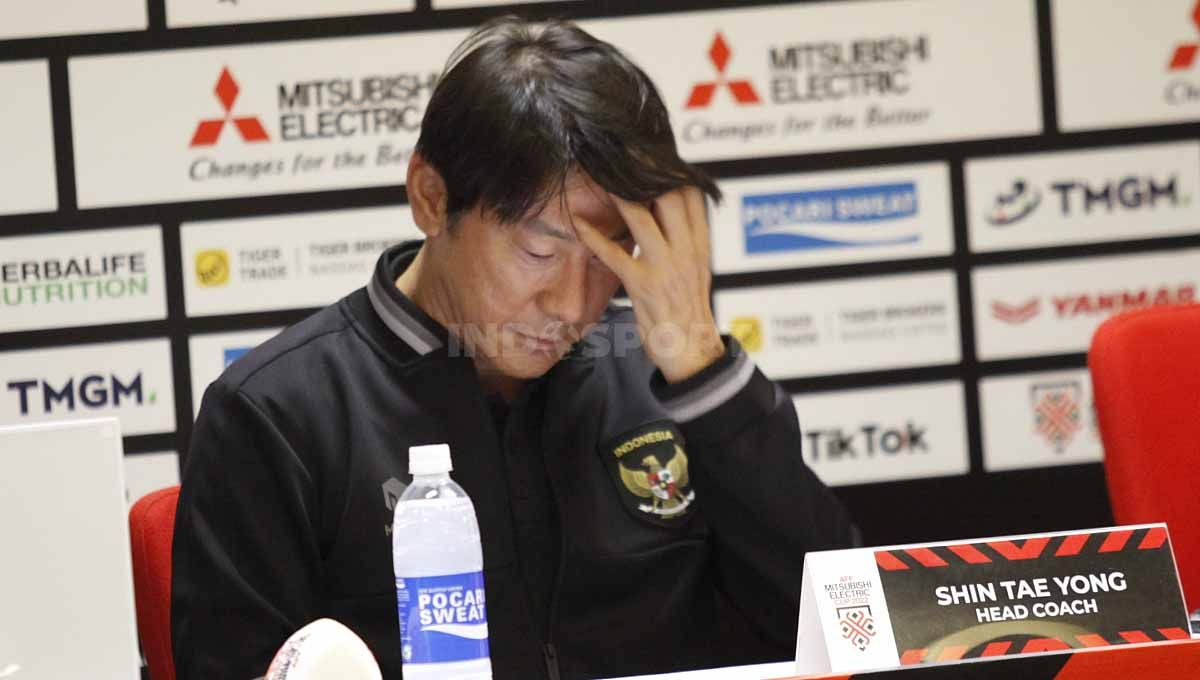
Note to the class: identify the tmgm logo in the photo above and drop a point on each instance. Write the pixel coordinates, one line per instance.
(869, 215)
(1014, 205)
(209, 131)
(92, 391)
(1075, 196)
(741, 88)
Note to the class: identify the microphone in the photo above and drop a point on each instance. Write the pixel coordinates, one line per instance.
(321, 650)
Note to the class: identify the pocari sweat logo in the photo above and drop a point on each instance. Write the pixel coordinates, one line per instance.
(442, 618)
(868, 215)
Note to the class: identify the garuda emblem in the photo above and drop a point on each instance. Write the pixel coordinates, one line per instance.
(650, 469)
(665, 487)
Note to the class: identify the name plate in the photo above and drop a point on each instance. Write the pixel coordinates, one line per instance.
(874, 608)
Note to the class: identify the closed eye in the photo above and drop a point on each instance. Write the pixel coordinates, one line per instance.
(538, 256)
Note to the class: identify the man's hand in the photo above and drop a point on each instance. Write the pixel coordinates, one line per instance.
(669, 281)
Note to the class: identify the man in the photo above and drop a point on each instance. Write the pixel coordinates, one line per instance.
(641, 496)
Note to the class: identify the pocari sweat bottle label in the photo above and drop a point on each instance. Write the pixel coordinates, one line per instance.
(442, 618)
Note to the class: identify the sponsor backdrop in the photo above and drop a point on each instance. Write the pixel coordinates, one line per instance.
(931, 205)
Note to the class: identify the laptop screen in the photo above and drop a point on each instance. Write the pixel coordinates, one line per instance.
(66, 578)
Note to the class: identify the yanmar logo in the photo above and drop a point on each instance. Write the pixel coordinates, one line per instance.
(209, 131)
(1114, 302)
(1018, 313)
(1105, 303)
(742, 89)
(1184, 56)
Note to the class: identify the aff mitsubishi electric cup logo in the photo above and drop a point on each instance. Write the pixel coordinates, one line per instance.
(741, 88)
(1057, 414)
(209, 131)
(851, 600)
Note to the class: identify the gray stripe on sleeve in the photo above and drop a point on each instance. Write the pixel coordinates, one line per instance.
(720, 389)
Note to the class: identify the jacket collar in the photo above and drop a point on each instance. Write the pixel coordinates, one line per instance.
(403, 318)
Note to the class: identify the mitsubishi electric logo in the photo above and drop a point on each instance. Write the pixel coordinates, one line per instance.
(812, 87)
(348, 107)
(702, 93)
(1184, 55)
(249, 127)
(1182, 87)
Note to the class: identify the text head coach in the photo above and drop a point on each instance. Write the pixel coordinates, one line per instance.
(641, 494)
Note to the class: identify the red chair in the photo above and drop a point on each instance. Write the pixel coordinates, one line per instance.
(1146, 378)
(151, 528)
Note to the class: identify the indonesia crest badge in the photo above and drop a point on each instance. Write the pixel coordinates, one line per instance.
(650, 467)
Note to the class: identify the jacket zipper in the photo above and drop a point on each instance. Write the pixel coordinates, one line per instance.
(549, 651)
(551, 617)
(551, 661)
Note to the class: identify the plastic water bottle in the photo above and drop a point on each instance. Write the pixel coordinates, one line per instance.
(438, 562)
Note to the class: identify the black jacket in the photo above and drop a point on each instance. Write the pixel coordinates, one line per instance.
(684, 511)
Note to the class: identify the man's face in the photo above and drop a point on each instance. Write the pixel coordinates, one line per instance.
(524, 292)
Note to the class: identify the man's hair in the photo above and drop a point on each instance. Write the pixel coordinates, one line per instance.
(520, 106)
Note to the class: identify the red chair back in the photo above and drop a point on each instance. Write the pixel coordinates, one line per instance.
(1145, 369)
(151, 529)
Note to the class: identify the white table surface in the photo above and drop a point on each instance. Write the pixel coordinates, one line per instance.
(764, 671)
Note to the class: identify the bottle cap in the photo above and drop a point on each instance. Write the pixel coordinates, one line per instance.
(429, 459)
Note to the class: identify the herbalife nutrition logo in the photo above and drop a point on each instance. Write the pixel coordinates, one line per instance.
(741, 89)
(73, 279)
(249, 127)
